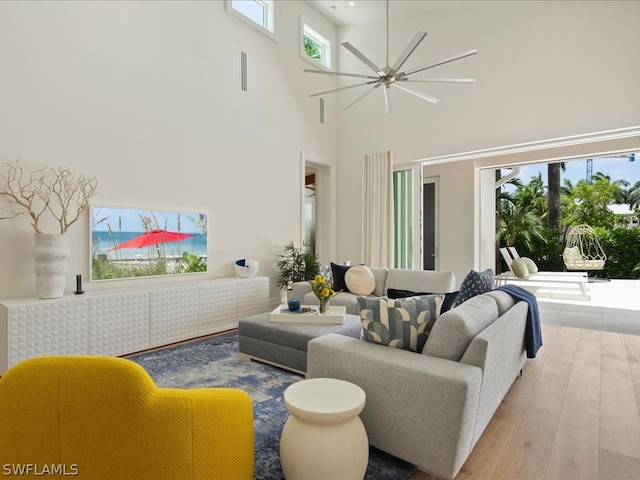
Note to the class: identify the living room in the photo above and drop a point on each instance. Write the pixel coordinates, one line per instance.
(147, 97)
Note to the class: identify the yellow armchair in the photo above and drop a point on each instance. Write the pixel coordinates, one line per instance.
(104, 418)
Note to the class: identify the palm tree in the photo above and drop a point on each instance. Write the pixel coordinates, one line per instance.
(632, 195)
(521, 214)
(554, 209)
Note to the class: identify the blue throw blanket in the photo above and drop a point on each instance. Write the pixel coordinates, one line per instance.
(533, 333)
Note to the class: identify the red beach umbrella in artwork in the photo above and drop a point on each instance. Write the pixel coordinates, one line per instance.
(152, 237)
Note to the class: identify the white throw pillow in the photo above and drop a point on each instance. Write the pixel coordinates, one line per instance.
(360, 280)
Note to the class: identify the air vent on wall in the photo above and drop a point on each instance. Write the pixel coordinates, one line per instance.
(243, 71)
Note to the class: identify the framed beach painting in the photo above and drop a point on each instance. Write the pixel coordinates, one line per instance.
(134, 242)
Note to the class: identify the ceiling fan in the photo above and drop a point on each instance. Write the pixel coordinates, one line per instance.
(391, 76)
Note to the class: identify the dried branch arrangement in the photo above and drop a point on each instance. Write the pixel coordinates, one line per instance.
(60, 191)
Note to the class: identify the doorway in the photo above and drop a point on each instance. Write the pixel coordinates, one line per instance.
(430, 208)
(310, 210)
(318, 206)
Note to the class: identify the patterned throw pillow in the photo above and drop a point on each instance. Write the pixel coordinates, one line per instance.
(474, 284)
(325, 271)
(404, 323)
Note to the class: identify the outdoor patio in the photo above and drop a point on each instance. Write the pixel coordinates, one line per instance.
(614, 306)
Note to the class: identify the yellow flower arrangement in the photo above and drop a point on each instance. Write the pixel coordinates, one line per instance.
(323, 290)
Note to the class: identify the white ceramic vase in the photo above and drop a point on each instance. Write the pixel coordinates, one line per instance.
(51, 255)
(246, 268)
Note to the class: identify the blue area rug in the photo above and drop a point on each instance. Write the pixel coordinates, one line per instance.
(214, 362)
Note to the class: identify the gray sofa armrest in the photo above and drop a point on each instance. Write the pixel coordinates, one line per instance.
(499, 351)
(300, 289)
(419, 408)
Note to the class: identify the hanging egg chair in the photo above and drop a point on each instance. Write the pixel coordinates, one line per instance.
(582, 250)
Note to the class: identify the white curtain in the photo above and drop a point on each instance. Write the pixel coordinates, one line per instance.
(377, 215)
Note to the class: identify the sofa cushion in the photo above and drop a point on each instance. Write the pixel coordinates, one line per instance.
(381, 278)
(404, 323)
(447, 303)
(419, 280)
(360, 280)
(454, 330)
(503, 300)
(474, 284)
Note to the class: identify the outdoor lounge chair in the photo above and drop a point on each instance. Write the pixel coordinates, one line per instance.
(514, 254)
(580, 279)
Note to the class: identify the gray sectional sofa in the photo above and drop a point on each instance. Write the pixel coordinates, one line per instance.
(425, 281)
(430, 408)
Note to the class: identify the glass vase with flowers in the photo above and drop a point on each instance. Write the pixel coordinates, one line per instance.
(324, 291)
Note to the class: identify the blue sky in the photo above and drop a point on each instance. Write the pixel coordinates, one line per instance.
(616, 168)
(130, 218)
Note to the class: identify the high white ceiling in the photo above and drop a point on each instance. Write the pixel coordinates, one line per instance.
(363, 11)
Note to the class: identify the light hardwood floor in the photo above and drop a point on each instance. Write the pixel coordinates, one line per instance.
(574, 414)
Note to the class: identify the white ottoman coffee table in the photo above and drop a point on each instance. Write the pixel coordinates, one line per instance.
(323, 437)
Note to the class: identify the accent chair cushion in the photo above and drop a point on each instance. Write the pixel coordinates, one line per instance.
(474, 284)
(531, 265)
(360, 280)
(402, 323)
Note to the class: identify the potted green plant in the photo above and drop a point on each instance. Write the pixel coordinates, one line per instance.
(296, 264)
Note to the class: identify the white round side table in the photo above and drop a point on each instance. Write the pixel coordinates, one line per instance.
(323, 437)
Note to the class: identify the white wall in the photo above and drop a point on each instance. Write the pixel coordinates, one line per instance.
(545, 70)
(146, 97)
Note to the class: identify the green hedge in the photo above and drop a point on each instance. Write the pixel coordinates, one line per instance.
(621, 245)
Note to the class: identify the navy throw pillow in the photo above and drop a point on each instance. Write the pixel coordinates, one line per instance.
(474, 284)
(447, 304)
(339, 271)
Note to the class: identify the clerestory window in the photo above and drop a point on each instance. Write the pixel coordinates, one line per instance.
(258, 13)
(314, 45)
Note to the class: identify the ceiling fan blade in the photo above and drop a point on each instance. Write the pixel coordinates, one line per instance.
(439, 62)
(362, 58)
(408, 51)
(442, 80)
(417, 93)
(359, 98)
(341, 88)
(387, 99)
(326, 72)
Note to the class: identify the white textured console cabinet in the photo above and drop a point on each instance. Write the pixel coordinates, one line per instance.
(117, 322)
